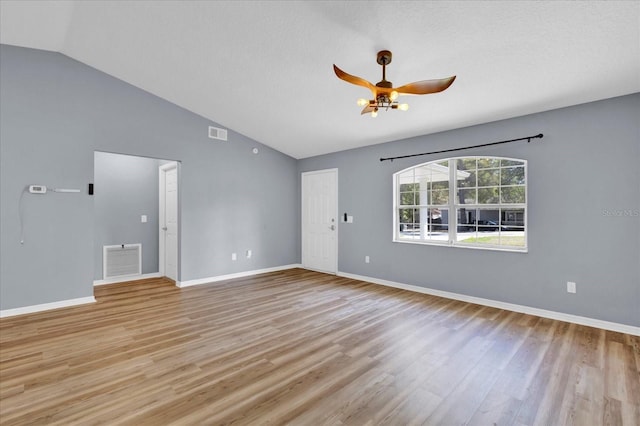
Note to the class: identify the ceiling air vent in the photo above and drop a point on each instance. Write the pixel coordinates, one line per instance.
(217, 133)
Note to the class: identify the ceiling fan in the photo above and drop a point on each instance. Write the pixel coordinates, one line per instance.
(384, 94)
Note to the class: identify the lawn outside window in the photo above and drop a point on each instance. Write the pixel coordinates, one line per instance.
(476, 202)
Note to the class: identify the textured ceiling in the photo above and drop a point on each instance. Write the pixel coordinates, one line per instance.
(264, 68)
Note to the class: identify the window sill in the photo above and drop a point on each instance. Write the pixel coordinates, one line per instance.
(465, 246)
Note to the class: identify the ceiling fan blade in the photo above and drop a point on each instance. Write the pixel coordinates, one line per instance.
(367, 109)
(353, 79)
(425, 87)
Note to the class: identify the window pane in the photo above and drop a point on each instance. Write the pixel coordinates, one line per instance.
(405, 216)
(466, 164)
(440, 197)
(407, 198)
(416, 216)
(489, 177)
(466, 219)
(408, 187)
(488, 163)
(406, 181)
(467, 196)
(440, 185)
(437, 226)
(466, 224)
(488, 220)
(488, 195)
(409, 223)
(513, 238)
(512, 219)
(512, 194)
(466, 179)
(504, 163)
(423, 171)
(465, 172)
(422, 183)
(484, 239)
(439, 173)
(512, 176)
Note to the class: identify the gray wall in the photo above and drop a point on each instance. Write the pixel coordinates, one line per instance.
(126, 187)
(55, 112)
(582, 171)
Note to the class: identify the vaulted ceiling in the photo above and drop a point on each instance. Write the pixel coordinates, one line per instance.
(264, 68)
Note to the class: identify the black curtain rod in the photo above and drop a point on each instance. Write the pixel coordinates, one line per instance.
(527, 138)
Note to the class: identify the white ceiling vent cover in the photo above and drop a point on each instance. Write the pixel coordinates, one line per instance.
(121, 260)
(217, 133)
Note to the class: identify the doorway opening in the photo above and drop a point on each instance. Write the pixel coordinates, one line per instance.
(130, 209)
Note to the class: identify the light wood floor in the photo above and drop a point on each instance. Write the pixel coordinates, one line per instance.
(305, 348)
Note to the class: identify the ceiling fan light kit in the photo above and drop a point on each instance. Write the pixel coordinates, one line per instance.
(384, 94)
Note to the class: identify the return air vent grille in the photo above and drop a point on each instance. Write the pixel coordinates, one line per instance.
(217, 133)
(122, 260)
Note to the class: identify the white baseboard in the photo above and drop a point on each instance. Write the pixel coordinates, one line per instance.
(127, 278)
(606, 325)
(46, 306)
(208, 280)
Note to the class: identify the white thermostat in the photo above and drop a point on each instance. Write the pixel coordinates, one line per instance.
(37, 189)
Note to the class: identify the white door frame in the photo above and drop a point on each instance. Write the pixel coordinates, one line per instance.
(161, 217)
(302, 221)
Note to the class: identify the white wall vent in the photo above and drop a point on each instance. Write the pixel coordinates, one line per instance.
(121, 260)
(217, 133)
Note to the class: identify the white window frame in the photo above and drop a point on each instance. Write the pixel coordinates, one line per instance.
(453, 205)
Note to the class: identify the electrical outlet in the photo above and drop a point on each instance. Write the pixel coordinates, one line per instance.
(366, 259)
(571, 287)
(234, 256)
(248, 254)
(143, 218)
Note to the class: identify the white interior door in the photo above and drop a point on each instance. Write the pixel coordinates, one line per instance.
(169, 221)
(320, 220)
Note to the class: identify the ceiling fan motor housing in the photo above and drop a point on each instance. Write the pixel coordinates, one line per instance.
(384, 57)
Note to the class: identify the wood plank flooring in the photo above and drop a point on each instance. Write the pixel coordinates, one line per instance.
(304, 348)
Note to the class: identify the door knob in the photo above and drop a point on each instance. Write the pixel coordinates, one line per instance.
(164, 228)
(332, 227)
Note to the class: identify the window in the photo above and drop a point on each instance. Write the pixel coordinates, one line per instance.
(464, 201)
